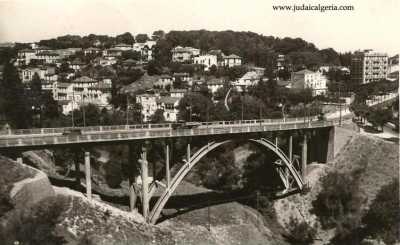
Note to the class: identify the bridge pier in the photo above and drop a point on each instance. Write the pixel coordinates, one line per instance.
(291, 148)
(88, 176)
(188, 153)
(145, 184)
(167, 172)
(132, 190)
(304, 159)
(19, 159)
(290, 155)
(77, 168)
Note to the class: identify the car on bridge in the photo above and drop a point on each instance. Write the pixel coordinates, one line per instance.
(72, 132)
(185, 125)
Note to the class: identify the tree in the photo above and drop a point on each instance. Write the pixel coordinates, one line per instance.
(126, 38)
(157, 35)
(130, 54)
(141, 38)
(197, 104)
(36, 90)
(379, 117)
(382, 219)
(13, 104)
(154, 68)
(158, 116)
(178, 83)
(301, 233)
(339, 197)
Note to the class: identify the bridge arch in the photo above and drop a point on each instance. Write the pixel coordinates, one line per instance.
(290, 177)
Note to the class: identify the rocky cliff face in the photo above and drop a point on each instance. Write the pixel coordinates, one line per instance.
(95, 222)
(375, 159)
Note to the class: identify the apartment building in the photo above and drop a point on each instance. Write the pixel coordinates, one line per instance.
(309, 79)
(368, 66)
(232, 60)
(82, 91)
(207, 60)
(184, 54)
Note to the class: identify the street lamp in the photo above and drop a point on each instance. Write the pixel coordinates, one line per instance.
(189, 107)
(127, 109)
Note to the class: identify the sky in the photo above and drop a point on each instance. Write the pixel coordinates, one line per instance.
(373, 24)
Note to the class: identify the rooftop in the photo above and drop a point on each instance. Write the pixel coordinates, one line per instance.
(84, 79)
(167, 100)
(232, 56)
(123, 45)
(304, 71)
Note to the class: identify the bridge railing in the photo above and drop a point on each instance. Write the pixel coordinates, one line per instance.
(108, 128)
(160, 132)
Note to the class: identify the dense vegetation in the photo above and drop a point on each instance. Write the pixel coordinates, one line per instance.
(382, 221)
(254, 48)
(35, 225)
(339, 204)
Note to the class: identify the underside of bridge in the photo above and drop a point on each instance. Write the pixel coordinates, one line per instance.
(310, 145)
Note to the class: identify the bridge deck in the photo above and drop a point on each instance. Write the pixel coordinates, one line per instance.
(26, 138)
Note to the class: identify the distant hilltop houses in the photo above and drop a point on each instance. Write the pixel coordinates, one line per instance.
(208, 59)
(87, 74)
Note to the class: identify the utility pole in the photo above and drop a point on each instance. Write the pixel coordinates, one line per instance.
(340, 108)
(208, 214)
(127, 109)
(73, 105)
(241, 100)
(83, 110)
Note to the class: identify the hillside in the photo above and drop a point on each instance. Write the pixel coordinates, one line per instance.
(375, 160)
(61, 214)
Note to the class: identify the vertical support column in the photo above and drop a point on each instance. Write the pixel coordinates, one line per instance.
(168, 175)
(132, 191)
(304, 158)
(145, 183)
(291, 149)
(287, 174)
(88, 176)
(77, 168)
(19, 159)
(276, 142)
(188, 153)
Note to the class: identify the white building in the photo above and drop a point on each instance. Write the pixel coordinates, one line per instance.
(77, 65)
(91, 51)
(177, 93)
(27, 74)
(164, 81)
(393, 71)
(214, 84)
(148, 103)
(184, 77)
(82, 91)
(48, 57)
(169, 105)
(146, 49)
(123, 47)
(112, 52)
(184, 54)
(207, 60)
(25, 56)
(64, 53)
(105, 61)
(250, 78)
(280, 62)
(308, 79)
(368, 66)
(232, 60)
(151, 102)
